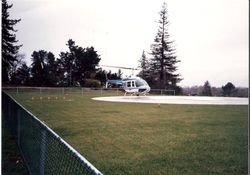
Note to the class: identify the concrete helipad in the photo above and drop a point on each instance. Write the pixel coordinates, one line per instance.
(177, 100)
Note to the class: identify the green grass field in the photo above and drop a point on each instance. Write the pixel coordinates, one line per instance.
(125, 138)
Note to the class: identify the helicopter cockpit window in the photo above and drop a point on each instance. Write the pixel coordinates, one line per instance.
(128, 84)
(133, 83)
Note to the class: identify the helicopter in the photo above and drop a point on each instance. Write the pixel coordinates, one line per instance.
(132, 85)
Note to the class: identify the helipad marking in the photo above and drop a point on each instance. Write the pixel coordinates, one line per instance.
(177, 100)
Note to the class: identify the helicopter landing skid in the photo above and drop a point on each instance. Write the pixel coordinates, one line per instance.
(134, 93)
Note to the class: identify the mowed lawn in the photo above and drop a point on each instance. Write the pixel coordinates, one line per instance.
(130, 138)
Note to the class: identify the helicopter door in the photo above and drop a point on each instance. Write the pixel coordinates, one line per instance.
(130, 87)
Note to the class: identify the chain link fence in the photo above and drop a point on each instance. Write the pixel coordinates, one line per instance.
(80, 91)
(42, 149)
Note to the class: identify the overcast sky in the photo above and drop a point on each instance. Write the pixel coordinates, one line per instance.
(210, 36)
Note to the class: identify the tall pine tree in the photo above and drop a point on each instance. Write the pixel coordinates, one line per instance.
(9, 46)
(145, 69)
(164, 60)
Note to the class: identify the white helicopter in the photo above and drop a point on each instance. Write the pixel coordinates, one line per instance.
(132, 85)
(135, 86)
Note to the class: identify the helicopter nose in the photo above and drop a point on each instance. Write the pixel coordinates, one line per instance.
(148, 89)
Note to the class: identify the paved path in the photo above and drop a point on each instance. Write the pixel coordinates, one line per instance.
(177, 100)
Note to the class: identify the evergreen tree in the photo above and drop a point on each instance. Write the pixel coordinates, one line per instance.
(78, 64)
(206, 89)
(163, 63)
(101, 75)
(9, 47)
(60, 71)
(21, 76)
(119, 73)
(37, 68)
(228, 89)
(19, 72)
(144, 65)
(67, 60)
(86, 63)
(43, 69)
(50, 66)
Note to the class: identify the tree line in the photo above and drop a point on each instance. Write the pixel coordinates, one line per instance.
(75, 67)
(227, 90)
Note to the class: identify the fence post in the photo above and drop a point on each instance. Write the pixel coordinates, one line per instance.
(42, 152)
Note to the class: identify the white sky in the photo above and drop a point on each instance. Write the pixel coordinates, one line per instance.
(210, 36)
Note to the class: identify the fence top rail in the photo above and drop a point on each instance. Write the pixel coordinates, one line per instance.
(20, 87)
(95, 170)
(94, 88)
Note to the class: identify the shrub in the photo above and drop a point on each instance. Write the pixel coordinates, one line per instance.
(92, 83)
